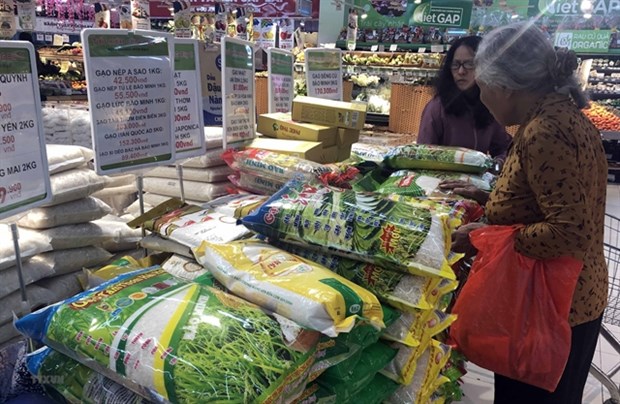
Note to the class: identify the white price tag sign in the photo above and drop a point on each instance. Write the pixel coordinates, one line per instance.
(421, 50)
(281, 84)
(437, 48)
(238, 91)
(393, 47)
(129, 76)
(24, 176)
(324, 73)
(374, 48)
(188, 126)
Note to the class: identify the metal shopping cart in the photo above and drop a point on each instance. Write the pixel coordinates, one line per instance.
(612, 312)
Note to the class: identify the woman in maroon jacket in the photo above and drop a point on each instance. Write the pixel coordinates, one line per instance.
(456, 116)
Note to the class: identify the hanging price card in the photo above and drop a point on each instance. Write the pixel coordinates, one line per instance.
(129, 76)
(324, 73)
(188, 124)
(24, 176)
(238, 91)
(280, 86)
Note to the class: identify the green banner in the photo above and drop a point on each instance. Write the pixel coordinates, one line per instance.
(14, 61)
(573, 7)
(126, 45)
(432, 13)
(184, 57)
(239, 56)
(281, 64)
(323, 60)
(591, 41)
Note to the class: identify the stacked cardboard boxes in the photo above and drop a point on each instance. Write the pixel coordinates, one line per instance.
(318, 130)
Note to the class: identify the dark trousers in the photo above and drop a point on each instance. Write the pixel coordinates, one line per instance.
(572, 383)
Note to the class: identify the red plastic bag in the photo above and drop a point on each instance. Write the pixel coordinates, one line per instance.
(513, 310)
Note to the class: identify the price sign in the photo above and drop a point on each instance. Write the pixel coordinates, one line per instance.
(24, 176)
(393, 47)
(324, 73)
(421, 50)
(437, 48)
(280, 87)
(238, 91)
(374, 48)
(129, 76)
(188, 124)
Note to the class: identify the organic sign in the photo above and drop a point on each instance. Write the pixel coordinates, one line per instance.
(24, 176)
(593, 41)
(129, 78)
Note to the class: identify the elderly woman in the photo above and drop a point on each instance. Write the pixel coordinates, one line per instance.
(554, 181)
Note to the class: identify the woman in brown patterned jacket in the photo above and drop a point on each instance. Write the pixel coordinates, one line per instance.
(554, 181)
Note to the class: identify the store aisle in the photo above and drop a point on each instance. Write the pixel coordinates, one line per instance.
(478, 385)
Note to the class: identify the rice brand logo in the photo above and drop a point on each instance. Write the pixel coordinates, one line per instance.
(389, 238)
(406, 181)
(276, 127)
(270, 216)
(564, 39)
(355, 308)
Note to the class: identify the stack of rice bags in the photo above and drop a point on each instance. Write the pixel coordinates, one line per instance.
(66, 125)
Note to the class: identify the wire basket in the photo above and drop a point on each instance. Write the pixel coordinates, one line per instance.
(406, 105)
(612, 256)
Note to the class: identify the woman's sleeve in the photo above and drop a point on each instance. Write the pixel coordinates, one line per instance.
(553, 173)
(499, 142)
(430, 124)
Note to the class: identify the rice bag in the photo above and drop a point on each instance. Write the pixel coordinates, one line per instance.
(276, 166)
(76, 383)
(198, 191)
(417, 327)
(370, 152)
(236, 206)
(189, 225)
(79, 211)
(173, 341)
(363, 226)
(422, 363)
(419, 386)
(255, 184)
(403, 291)
(65, 157)
(118, 267)
(74, 184)
(291, 286)
(183, 268)
(154, 242)
(435, 157)
(372, 180)
(376, 391)
(212, 158)
(462, 210)
(213, 174)
(426, 183)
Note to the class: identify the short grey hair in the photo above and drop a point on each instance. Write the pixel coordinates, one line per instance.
(520, 57)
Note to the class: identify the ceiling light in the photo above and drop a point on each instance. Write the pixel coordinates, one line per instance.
(587, 16)
(364, 16)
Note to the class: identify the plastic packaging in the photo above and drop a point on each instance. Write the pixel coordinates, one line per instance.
(79, 211)
(210, 175)
(66, 157)
(426, 183)
(74, 184)
(198, 191)
(435, 157)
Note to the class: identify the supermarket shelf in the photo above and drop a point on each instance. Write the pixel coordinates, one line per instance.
(75, 97)
(377, 119)
(606, 69)
(62, 57)
(609, 135)
(602, 96)
(611, 80)
(400, 46)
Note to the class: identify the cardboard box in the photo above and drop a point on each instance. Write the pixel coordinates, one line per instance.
(344, 152)
(348, 115)
(281, 126)
(347, 137)
(313, 151)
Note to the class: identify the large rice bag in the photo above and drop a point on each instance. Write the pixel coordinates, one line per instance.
(255, 184)
(74, 184)
(189, 225)
(403, 291)
(408, 362)
(79, 211)
(363, 226)
(215, 174)
(198, 191)
(426, 183)
(370, 152)
(180, 342)
(417, 327)
(212, 158)
(76, 383)
(30, 243)
(65, 157)
(154, 242)
(291, 286)
(435, 157)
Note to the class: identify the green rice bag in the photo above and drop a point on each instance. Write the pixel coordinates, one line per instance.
(435, 157)
(67, 380)
(176, 341)
(362, 226)
(375, 392)
(372, 180)
(426, 183)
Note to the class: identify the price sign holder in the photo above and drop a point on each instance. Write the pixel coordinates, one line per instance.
(281, 83)
(239, 106)
(324, 73)
(24, 174)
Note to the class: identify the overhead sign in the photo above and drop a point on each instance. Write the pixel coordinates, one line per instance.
(573, 7)
(586, 41)
(129, 76)
(24, 175)
(432, 13)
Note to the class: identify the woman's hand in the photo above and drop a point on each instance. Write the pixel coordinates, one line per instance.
(460, 239)
(465, 189)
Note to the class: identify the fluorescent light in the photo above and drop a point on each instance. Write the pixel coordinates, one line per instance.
(587, 16)
(514, 16)
(364, 16)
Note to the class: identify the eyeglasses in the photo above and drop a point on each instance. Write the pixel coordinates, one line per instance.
(469, 65)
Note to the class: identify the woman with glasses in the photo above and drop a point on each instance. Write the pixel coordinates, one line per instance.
(456, 116)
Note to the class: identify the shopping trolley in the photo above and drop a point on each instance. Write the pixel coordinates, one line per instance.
(612, 312)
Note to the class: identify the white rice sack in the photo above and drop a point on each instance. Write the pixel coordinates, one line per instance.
(211, 158)
(153, 242)
(30, 243)
(119, 180)
(74, 184)
(184, 268)
(82, 235)
(38, 297)
(255, 184)
(79, 211)
(123, 237)
(62, 287)
(369, 152)
(118, 198)
(66, 157)
(214, 136)
(214, 174)
(7, 333)
(198, 191)
(50, 264)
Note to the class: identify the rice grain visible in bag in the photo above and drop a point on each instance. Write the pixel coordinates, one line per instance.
(210, 175)
(198, 191)
(363, 226)
(291, 286)
(183, 268)
(74, 184)
(436, 157)
(66, 157)
(78, 211)
(30, 243)
(212, 158)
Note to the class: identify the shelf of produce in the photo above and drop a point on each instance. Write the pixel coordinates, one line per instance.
(601, 96)
(62, 57)
(610, 80)
(606, 69)
(73, 97)
(354, 69)
(610, 135)
(367, 46)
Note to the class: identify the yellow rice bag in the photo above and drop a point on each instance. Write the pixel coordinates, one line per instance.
(291, 286)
